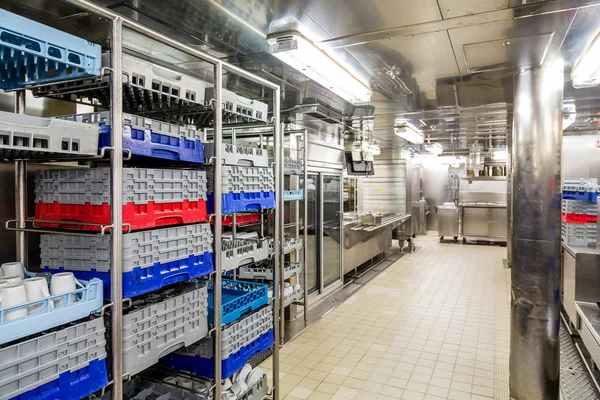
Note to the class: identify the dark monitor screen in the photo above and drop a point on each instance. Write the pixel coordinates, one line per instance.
(358, 167)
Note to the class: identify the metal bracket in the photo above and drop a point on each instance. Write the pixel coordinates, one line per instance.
(103, 228)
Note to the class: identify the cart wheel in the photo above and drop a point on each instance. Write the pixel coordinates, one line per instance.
(464, 240)
(441, 238)
(455, 239)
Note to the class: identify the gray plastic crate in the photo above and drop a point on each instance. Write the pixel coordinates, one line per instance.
(290, 245)
(240, 108)
(243, 179)
(29, 364)
(140, 185)
(294, 296)
(162, 328)
(579, 234)
(266, 273)
(239, 155)
(579, 207)
(141, 249)
(27, 136)
(145, 390)
(246, 248)
(580, 185)
(149, 76)
(292, 166)
(140, 123)
(236, 335)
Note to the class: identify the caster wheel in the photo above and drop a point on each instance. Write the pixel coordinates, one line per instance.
(464, 241)
(455, 239)
(441, 238)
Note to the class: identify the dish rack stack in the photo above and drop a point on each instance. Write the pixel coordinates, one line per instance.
(144, 227)
(580, 211)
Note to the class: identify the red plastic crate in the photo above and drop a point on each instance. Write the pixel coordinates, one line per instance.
(579, 218)
(241, 219)
(138, 216)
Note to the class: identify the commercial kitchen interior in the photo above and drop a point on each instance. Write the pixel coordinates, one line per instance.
(425, 223)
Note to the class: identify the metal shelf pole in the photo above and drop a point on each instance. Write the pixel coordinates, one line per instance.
(21, 188)
(281, 233)
(218, 191)
(116, 171)
(278, 234)
(305, 223)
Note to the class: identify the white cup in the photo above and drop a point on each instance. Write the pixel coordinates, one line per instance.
(13, 268)
(63, 282)
(228, 395)
(13, 279)
(13, 295)
(186, 383)
(255, 376)
(36, 289)
(1, 273)
(171, 379)
(239, 388)
(243, 374)
(201, 388)
(226, 384)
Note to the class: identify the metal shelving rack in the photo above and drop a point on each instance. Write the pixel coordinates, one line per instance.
(298, 144)
(117, 24)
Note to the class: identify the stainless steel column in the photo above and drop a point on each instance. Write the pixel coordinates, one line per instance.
(21, 188)
(218, 191)
(278, 233)
(116, 172)
(536, 190)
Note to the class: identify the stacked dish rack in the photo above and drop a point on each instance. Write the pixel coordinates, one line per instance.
(141, 238)
(580, 211)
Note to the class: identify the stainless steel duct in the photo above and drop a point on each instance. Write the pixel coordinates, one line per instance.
(536, 189)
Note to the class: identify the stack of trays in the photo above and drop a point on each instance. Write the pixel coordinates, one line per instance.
(246, 248)
(151, 259)
(151, 197)
(579, 211)
(149, 138)
(241, 341)
(156, 330)
(248, 183)
(64, 364)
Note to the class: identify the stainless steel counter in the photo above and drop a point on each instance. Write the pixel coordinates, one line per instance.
(486, 221)
(364, 242)
(580, 277)
(589, 328)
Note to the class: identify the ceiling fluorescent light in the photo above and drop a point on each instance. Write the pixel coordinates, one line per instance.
(408, 131)
(586, 72)
(434, 148)
(302, 55)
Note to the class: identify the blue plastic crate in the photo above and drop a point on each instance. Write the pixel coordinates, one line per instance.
(32, 53)
(144, 280)
(90, 300)
(145, 143)
(243, 202)
(71, 385)
(238, 298)
(590, 197)
(206, 366)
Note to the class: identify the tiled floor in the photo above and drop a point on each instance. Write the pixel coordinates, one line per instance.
(435, 325)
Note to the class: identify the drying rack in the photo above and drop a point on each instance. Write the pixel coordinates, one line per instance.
(117, 80)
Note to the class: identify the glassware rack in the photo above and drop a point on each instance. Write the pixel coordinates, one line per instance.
(116, 153)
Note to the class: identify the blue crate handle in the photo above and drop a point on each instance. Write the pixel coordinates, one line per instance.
(90, 300)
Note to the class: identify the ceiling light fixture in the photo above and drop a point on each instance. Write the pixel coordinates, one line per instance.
(408, 131)
(434, 148)
(586, 72)
(303, 55)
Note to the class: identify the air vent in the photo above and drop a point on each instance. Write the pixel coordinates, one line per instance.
(507, 53)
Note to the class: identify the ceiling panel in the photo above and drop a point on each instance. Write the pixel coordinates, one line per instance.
(426, 57)
(454, 8)
(350, 17)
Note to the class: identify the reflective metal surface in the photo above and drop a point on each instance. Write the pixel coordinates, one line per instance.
(536, 234)
(581, 270)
